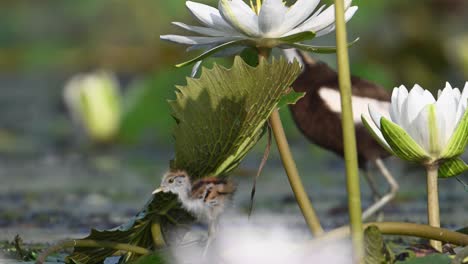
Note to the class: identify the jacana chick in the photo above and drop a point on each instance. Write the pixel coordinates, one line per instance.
(205, 198)
(318, 117)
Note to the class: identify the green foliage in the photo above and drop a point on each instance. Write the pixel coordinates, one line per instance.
(376, 252)
(291, 97)
(221, 115)
(150, 259)
(429, 259)
(163, 211)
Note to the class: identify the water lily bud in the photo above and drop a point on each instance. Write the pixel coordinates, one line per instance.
(420, 128)
(94, 103)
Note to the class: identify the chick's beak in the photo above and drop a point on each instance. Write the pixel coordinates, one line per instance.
(158, 190)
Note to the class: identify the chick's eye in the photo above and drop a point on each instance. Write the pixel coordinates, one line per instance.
(171, 180)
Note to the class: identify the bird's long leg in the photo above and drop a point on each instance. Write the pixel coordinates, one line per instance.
(212, 227)
(388, 196)
(376, 196)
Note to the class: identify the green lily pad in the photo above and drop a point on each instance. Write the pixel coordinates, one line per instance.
(221, 115)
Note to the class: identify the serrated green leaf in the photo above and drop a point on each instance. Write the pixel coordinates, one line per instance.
(401, 142)
(220, 116)
(376, 252)
(374, 135)
(452, 167)
(318, 49)
(163, 211)
(302, 36)
(432, 259)
(459, 140)
(290, 98)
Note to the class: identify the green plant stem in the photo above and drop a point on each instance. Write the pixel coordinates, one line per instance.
(293, 176)
(92, 244)
(433, 202)
(290, 167)
(157, 235)
(349, 137)
(406, 229)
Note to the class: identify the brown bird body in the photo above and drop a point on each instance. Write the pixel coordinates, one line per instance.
(318, 117)
(320, 124)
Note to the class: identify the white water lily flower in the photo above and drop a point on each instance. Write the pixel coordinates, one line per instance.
(94, 103)
(421, 128)
(272, 24)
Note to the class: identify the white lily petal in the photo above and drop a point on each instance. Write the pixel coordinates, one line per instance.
(239, 15)
(419, 130)
(348, 15)
(376, 130)
(416, 102)
(394, 113)
(208, 16)
(323, 20)
(189, 40)
(317, 12)
(462, 104)
(376, 116)
(271, 18)
(201, 30)
(417, 89)
(457, 94)
(445, 110)
(400, 106)
(298, 13)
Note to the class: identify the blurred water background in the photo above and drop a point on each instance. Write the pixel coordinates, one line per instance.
(55, 184)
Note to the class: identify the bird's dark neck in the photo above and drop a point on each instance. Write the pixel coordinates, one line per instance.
(314, 74)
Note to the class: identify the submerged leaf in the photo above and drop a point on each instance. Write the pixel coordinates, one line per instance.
(162, 212)
(221, 115)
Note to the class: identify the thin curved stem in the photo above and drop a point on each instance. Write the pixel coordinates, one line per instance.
(406, 229)
(293, 176)
(91, 244)
(290, 167)
(349, 134)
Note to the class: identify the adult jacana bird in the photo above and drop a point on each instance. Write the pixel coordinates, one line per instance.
(318, 117)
